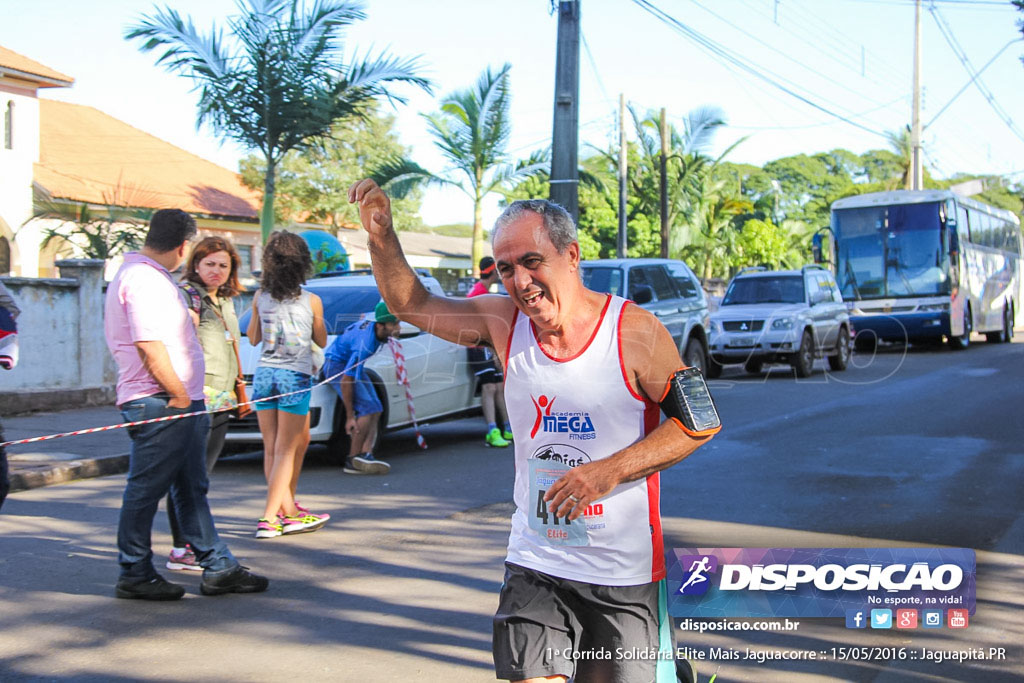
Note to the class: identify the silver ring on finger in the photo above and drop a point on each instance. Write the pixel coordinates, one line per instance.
(573, 498)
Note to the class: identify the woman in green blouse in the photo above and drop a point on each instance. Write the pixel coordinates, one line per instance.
(210, 282)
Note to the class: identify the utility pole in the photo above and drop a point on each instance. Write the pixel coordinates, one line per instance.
(664, 184)
(565, 133)
(915, 125)
(622, 176)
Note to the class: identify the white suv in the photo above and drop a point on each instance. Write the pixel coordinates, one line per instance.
(439, 375)
(780, 316)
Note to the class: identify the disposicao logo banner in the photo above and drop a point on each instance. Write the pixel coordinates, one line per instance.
(817, 582)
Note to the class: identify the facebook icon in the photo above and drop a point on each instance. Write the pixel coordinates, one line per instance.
(856, 618)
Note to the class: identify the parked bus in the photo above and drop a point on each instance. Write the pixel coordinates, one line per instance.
(921, 265)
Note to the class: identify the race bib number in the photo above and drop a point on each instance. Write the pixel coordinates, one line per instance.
(554, 530)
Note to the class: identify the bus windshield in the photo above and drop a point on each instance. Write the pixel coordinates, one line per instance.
(890, 251)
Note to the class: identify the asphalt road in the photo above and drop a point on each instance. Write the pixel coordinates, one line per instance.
(904, 449)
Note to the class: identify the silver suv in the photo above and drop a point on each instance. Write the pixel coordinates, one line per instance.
(780, 316)
(665, 287)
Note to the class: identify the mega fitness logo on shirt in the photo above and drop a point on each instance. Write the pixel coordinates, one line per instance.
(576, 425)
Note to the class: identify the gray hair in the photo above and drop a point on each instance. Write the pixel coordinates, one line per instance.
(557, 221)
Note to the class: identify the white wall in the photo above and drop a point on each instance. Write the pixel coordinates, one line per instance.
(60, 335)
(16, 177)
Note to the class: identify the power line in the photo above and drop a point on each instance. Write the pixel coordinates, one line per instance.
(718, 50)
(785, 55)
(947, 33)
(817, 26)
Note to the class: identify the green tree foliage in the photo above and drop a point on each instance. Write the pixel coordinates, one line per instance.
(312, 184)
(760, 243)
(281, 82)
(598, 223)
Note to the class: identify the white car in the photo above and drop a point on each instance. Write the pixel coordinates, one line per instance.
(439, 375)
(780, 316)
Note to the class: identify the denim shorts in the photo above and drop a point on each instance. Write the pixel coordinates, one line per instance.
(275, 381)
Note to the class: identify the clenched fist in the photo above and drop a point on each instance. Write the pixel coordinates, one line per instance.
(374, 206)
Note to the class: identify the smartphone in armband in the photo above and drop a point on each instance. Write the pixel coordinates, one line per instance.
(688, 402)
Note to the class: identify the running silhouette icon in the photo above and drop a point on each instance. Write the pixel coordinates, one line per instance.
(695, 581)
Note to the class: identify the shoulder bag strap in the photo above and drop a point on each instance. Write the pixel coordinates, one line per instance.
(234, 342)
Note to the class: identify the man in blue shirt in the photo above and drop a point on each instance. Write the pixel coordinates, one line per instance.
(350, 350)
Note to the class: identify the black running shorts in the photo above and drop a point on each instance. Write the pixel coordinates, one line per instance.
(547, 626)
(484, 365)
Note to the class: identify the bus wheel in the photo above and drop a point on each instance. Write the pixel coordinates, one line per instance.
(1006, 333)
(963, 341)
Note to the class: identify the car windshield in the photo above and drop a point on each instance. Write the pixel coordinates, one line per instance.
(342, 305)
(603, 279)
(787, 289)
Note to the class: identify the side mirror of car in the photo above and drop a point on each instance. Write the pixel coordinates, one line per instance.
(818, 297)
(642, 294)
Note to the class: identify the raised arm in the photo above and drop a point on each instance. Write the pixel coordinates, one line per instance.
(482, 320)
(650, 357)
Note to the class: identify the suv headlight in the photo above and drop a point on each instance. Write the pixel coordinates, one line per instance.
(782, 324)
(933, 307)
(715, 327)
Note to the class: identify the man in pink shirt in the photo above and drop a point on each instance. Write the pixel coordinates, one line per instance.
(160, 373)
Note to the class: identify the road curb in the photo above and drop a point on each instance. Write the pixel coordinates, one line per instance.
(46, 475)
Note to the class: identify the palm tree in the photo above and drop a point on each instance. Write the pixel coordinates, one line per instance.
(900, 144)
(103, 230)
(472, 131)
(282, 82)
(687, 165)
(716, 207)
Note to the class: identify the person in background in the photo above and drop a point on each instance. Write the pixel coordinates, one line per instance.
(348, 354)
(210, 282)
(288, 320)
(484, 365)
(160, 374)
(7, 304)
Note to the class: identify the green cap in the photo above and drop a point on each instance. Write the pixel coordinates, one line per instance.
(382, 315)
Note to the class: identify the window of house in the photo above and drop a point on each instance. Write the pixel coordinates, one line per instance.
(245, 256)
(5, 256)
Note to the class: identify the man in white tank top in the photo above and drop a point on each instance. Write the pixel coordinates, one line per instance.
(585, 373)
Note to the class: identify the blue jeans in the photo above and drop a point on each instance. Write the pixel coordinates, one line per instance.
(167, 456)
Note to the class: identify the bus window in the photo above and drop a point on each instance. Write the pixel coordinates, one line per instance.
(963, 226)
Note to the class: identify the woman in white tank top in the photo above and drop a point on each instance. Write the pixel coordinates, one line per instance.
(288, 321)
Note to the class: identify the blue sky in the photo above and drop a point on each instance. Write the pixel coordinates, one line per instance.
(851, 57)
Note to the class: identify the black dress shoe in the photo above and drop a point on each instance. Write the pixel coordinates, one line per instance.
(156, 588)
(237, 580)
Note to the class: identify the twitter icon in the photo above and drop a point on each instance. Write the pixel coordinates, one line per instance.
(881, 618)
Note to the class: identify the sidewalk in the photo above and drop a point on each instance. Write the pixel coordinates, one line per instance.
(69, 458)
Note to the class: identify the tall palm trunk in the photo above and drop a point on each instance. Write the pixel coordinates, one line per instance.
(478, 233)
(267, 212)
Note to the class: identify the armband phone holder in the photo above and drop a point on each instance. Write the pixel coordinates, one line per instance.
(688, 402)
